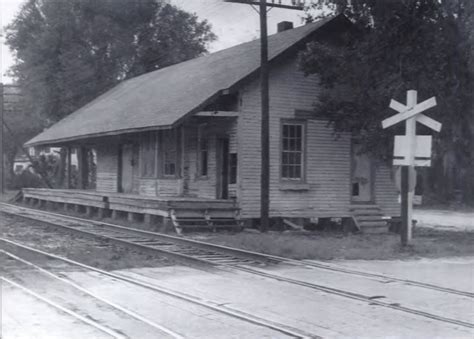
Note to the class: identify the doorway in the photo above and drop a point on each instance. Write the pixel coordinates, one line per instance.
(126, 168)
(362, 175)
(222, 168)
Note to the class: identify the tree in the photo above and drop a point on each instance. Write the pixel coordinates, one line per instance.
(394, 46)
(69, 52)
(19, 121)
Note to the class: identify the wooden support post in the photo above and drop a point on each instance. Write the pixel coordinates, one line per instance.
(66, 207)
(131, 216)
(49, 205)
(102, 213)
(77, 208)
(89, 211)
(82, 160)
(149, 219)
(115, 214)
(265, 124)
(68, 168)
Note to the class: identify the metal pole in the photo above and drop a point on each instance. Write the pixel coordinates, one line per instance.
(265, 126)
(407, 201)
(404, 235)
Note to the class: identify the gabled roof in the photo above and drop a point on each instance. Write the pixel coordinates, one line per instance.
(161, 98)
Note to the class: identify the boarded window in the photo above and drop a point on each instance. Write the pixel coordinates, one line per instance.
(292, 154)
(148, 155)
(169, 152)
(232, 168)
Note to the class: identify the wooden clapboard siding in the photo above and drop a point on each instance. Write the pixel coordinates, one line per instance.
(159, 187)
(327, 159)
(386, 194)
(107, 168)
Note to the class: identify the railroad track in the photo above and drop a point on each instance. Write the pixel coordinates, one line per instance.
(213, 306)
(222, 257)
(84, 292)
(60, 308)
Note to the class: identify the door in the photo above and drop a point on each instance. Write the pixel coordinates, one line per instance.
(362, 175)
(222, 168)
(126, 166)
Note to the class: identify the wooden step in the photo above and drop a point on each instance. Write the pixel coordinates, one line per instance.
(358, 207)
(370, 217)
(375, 223)
(375, 229)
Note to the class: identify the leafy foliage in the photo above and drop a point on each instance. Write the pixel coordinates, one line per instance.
(20, 124)
(69, 52)
(395, 46)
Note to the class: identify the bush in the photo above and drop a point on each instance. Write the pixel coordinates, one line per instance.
(25, 179)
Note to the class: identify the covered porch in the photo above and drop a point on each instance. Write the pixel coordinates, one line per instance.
(159, 212)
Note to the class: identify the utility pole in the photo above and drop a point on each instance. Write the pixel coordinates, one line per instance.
(265, 101)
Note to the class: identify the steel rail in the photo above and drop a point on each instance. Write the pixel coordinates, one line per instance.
(285, 329)
(95, 296)
(86, 320)
(330, 290)
(244, 253)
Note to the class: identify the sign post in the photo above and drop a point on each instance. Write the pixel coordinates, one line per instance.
(410, 150)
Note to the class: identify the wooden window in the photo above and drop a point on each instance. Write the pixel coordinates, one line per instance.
(148, 155)
(203, 152)
(292, 151)
(169, 152)
(232, 168)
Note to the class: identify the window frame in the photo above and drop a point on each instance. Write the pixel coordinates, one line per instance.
(303, 124)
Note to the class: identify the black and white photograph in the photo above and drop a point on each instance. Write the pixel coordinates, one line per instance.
(236, 169)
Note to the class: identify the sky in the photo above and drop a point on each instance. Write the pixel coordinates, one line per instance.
(233, 23)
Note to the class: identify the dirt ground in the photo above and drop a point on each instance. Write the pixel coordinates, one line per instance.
(438, 234)
(427, 243)
(91, 252)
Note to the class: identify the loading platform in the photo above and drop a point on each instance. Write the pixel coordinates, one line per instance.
(182, 213)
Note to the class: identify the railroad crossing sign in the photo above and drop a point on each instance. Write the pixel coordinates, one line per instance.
(410, 149)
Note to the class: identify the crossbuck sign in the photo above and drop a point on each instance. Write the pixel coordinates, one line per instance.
(411, 149)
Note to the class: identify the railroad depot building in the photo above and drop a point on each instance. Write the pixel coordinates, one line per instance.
(183, 142)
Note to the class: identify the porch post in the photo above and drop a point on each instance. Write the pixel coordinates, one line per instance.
(83, 167)
(68, 168)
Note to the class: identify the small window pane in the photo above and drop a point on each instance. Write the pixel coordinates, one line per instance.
(292, 151)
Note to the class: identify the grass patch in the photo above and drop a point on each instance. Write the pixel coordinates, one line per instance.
(427, 243)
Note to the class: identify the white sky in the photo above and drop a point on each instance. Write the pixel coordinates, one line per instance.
(232, 23)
